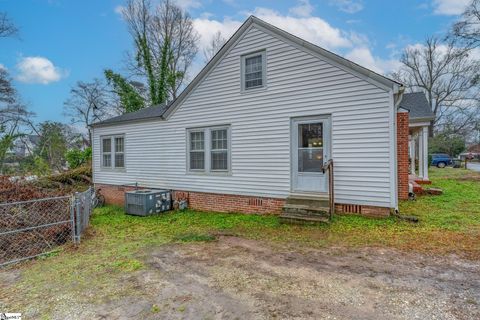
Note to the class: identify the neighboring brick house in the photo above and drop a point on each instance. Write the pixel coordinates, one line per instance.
(420, 117)
(254, 129)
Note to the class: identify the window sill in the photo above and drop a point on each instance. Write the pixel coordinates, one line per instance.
(254, 90)
(113, 169)
(209, 173)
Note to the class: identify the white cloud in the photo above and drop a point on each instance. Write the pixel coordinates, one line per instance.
(364, 57)
(188, 4)
(38, 70)
(353, 21)
(313, 29)
(119, 10)
(303, 9)
(207, 28)
(348, 6)
(2, 67)
(450, 7)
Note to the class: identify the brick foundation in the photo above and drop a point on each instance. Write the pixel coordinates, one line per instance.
(114, 194)
(368, 211)
(205, 201)
(230, 203)
(236, 203)
(402, 155)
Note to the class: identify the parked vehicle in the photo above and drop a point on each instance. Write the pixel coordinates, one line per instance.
(441, 160)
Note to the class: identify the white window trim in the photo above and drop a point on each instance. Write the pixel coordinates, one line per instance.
(113, 152)
(263, 53)
(207, 150)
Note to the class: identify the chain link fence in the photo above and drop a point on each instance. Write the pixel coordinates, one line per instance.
(81, 209)
(31, 228)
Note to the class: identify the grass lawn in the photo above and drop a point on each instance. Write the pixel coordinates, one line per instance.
(115, 243)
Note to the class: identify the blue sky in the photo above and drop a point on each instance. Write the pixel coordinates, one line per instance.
(64, 41)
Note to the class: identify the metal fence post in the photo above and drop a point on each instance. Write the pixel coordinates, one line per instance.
(78, 229)
(72, 217)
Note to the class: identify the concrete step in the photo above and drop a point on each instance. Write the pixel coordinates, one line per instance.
(311, 201)
(306, 209)
(296, 218)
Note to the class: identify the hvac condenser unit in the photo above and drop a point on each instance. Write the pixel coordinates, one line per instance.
(147, 202)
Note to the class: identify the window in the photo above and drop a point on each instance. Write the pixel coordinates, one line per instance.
(253, 70)
(107, 152)
(208, 150)
(197, 152)
(219, 150)
(113, 152)
(119, 158)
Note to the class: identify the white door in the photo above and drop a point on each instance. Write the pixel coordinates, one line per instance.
(310, 150)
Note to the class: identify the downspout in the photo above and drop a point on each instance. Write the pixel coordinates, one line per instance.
(398, 91)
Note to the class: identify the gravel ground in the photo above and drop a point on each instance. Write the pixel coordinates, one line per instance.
(235, 278)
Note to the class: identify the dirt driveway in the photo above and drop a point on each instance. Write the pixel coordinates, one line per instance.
(234, 278)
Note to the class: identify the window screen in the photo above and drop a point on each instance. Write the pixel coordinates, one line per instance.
(219, 149)
(197, 150)
(253, 71)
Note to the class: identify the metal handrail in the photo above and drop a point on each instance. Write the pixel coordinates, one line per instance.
(328, 166)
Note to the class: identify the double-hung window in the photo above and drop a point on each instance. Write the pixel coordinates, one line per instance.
(113, 152)
(253, 70)
(209, 149)
(197, 150)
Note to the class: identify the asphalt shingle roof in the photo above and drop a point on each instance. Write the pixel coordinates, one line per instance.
(417, 105)
(145, 113)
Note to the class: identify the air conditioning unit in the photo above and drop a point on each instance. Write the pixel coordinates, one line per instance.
(147, 202)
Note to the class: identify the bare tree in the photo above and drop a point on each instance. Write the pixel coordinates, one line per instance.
(7, 91)
(157, 32)
(447, 74)
(467, 28)
(7, 28)
(215, 44)
(13, 117)
(89, 102)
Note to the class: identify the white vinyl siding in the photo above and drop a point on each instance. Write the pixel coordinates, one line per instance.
(299, 84)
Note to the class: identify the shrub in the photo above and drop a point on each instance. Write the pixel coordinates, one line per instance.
(77, 157)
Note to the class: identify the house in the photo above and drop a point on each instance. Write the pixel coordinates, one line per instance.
(472, 153)
(253, 131)
(24, 146)
(420, 117)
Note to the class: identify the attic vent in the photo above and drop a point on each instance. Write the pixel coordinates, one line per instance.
(256, 202)
(351, 208)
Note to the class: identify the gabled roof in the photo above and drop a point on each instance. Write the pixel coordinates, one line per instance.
(163, 112)
(417, 105)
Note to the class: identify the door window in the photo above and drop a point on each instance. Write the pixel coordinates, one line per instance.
(310, 147)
